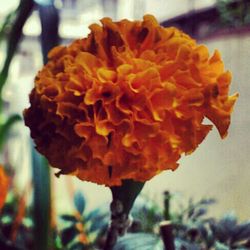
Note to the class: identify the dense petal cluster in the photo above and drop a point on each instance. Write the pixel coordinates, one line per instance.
(127, 101)
(4, 183)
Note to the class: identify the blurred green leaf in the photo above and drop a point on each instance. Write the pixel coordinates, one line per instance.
(68, 234)
(96, 215)
(185, 245)
(5, 128)
(78, 246)
(79, 202)
(92, 215)
(139, 241)
(6, 23)
(7, 245)
(69, 218)
(42, 204)
(57, 243)
(49, 38)
(97, 225)
(23, 11)
(242, 231)
(221, 246)
(6, 219)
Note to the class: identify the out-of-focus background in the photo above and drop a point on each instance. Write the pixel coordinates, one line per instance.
(219, 169)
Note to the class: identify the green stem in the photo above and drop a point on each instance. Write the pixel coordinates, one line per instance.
(123, 199)
(41, 199)
(23, 11)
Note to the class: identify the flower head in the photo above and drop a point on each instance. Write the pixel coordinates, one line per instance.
(127, 101)
(4, 183)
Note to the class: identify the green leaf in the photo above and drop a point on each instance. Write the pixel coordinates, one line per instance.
(6, 23)
(23, 11)
(139, 241)
(226, 226)
(94, 214)
(79, 202)
(78, 246)
(68, 234)
(181, 244)
(98, 225)
(42, 201)
(41, 172)
(68, 217)
(5, 128)
(242, 232)
(221, 246)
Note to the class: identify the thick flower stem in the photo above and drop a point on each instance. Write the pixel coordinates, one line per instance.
(119, 224)
(123, 200)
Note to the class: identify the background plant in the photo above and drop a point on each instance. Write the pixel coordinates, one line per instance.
(234, 13)
(83, 229)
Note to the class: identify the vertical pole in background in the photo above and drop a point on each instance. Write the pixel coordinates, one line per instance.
(166, 227)
(41, 202)
(49, 18)
(166, 230)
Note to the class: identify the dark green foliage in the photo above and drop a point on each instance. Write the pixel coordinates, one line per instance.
(41, 200)
(41, 171)
(68, 234)
(21, 15)
(78, 246)
(146, 215)
(234, 13)
(229, 232)
(5, 128)
(69, 218)
(6, 25)
(24, 231)
(11, 31)
(192, 227)
(90, 225)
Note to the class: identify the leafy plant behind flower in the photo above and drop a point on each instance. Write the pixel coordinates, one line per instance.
(190, 223)
(234, 13)
(146, 215)
(192, 227)
(231, 233)
(10, 33)
(84, 229)
(16, 224)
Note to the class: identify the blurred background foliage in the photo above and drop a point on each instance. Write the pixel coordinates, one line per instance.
(234, 13)
(29, 219)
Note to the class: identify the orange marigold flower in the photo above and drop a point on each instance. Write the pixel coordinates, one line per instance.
(127, 101)
(4, 183)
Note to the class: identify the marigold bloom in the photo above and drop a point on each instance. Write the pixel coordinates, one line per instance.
(127, 101)
(4, 183)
